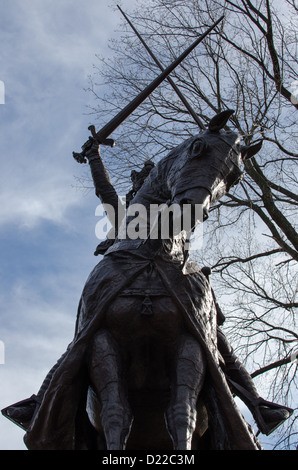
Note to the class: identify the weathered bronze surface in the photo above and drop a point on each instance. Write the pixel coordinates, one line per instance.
(149, 367)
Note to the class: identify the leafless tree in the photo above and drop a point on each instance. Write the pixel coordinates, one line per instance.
(250, 240)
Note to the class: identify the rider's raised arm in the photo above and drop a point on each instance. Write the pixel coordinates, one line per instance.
(102, 183)
(104, 189)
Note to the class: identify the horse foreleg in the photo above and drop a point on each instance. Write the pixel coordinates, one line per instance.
(105, 372)
(188, 378)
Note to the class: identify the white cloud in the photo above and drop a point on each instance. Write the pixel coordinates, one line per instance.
(34, 336)
(48, 199)
(38, 315)
(47, 51)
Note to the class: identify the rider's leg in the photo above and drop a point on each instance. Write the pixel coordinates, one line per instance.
(233, 368)
(106, 376)
(188, 378)
(267, 415)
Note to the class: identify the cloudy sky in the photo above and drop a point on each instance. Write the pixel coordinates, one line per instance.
(47, 226)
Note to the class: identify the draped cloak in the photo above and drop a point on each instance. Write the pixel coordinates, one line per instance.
(54, 425)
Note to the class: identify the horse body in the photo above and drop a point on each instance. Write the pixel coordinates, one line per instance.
(144, 345)
(142, 356)
(146, 327)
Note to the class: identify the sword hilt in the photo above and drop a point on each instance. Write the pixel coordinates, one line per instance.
(81, 157)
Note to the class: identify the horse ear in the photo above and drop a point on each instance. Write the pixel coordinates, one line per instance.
(219, 121)
(248, 151)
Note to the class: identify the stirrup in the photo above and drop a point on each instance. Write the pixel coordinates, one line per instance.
(264, 427)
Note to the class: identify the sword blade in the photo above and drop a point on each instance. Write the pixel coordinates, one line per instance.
(112, 125)
(174, 86)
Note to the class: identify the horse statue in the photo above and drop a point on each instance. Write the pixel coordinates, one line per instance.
(149, 367)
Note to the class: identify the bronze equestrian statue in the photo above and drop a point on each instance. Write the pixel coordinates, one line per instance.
(149, 367)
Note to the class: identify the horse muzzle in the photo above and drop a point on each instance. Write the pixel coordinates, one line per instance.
(199, 198)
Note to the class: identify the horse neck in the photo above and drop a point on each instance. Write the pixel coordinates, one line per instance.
(153, 193)
(155, 189)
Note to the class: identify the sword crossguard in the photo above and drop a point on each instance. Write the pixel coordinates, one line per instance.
(108, 142)
(93, 131)
(81, 157)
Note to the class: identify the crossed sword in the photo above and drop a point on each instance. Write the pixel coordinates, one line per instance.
(102, 136)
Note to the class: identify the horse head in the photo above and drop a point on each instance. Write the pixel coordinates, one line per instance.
(210, 165)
